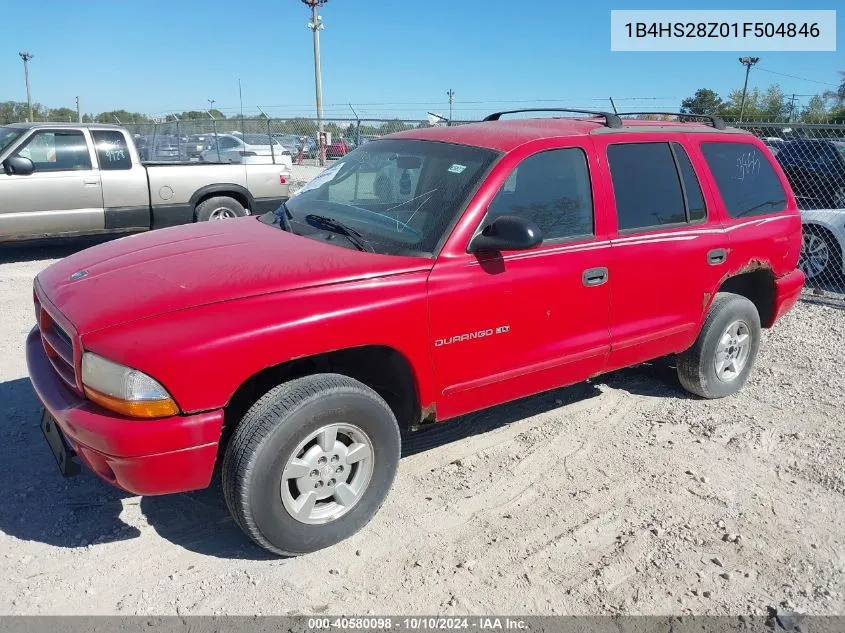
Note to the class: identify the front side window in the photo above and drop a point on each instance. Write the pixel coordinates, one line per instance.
(112, 151)
(646, 186)
(399, 196)
(64, 150)
(7, 135)
(552, 189)
(746, 180)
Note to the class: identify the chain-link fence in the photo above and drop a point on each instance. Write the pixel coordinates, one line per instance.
(812, 155)
(813, 158)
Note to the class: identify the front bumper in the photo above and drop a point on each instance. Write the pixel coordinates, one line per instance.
(145, 457)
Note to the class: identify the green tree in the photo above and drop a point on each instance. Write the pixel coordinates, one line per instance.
(704, 101)
(61, 114)
(124, 116)
(773, 104)
(815, 111)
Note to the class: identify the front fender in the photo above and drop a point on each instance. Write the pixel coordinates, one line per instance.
(202, 355)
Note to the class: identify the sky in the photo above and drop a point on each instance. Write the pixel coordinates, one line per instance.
(385, 57)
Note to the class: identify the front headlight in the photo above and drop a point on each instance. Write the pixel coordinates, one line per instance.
(124, 390)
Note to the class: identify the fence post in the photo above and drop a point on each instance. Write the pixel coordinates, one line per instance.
(216, 140)
(270, 140)
(178, 139)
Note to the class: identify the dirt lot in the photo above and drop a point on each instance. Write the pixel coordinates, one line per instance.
(619, 496)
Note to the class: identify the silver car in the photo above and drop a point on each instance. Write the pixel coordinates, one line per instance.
(250, 149)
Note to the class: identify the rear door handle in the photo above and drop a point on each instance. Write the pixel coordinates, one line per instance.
(717, 256)
(92, 181)
(594, 276)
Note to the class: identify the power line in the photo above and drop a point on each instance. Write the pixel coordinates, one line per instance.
(815, 81)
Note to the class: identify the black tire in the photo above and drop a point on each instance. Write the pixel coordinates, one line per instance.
(267, 437)
(697, 365)
(219, 206)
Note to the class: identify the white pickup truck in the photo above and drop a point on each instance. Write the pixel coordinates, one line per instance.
(61, 179)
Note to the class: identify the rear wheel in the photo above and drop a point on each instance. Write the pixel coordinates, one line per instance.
(311, 463)
(720, 360)
(219, 208)
(820, 254)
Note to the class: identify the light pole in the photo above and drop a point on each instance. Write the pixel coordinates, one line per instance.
(211, 103)
(316, 25)
(26, 56)
(748, 62)
(451, 94)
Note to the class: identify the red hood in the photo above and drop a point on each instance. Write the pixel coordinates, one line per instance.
(141, 276)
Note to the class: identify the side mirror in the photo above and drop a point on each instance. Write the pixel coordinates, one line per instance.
(507, 233)
(18, 166)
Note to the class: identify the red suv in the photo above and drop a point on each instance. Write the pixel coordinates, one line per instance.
(433, 273)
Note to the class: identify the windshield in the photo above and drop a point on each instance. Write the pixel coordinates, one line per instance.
(840, 145)
(7, 135)
(399, 196)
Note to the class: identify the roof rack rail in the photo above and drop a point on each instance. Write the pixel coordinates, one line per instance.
(610, 119)
(716, 121)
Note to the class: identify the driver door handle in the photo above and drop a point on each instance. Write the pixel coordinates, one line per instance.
(594, 276)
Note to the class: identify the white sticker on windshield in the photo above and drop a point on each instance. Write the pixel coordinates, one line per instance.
(320, 179)
(457, 169)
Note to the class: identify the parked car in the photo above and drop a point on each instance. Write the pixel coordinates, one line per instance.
(196, 144)
(338, 148)
(246, 148)
(774, 143)
(295, 144)
(816, 170)
(439, 272)
(68, 179)
(823, 245)
(161, 149)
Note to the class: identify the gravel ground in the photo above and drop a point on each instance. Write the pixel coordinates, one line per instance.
(622, 495)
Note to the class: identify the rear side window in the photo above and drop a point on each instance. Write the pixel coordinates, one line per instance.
(552, 189)
(747, 182)
(112, 152)
(646, 185)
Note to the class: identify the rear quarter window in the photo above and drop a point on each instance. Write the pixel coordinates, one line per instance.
(746, 179)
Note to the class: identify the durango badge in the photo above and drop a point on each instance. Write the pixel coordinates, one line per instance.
(470, 336)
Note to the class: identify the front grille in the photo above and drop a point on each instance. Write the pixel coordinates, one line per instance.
(59, 347)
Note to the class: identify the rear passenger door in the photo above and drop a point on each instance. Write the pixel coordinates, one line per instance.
(126, 194)
(668, 249)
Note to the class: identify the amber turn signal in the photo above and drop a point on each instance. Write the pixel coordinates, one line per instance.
(135, 409)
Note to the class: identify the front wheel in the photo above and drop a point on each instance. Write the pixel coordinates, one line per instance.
(311, 463)
(720, 360)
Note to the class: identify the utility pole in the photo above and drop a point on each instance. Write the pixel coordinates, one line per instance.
(748, 62)
(241, 97)
(211, 103)
(78, 112)
(451, 94)
(316, 25)
(26, 56)
(791, 107)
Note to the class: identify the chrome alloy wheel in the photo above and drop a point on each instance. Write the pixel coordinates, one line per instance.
(327, 474)
(732, 351)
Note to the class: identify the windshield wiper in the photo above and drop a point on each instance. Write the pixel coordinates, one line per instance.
(326, 223)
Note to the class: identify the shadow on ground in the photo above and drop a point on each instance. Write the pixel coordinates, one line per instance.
(37, 250)
(40, 505)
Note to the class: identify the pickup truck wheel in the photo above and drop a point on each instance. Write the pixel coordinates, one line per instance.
(720, 360)
(219, 208)
(310, 463)
(820, 254)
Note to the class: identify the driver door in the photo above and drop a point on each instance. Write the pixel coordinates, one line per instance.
(510, 324)
(62, 195)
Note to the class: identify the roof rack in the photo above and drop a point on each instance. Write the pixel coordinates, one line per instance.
(715, 121)
(610, 119)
